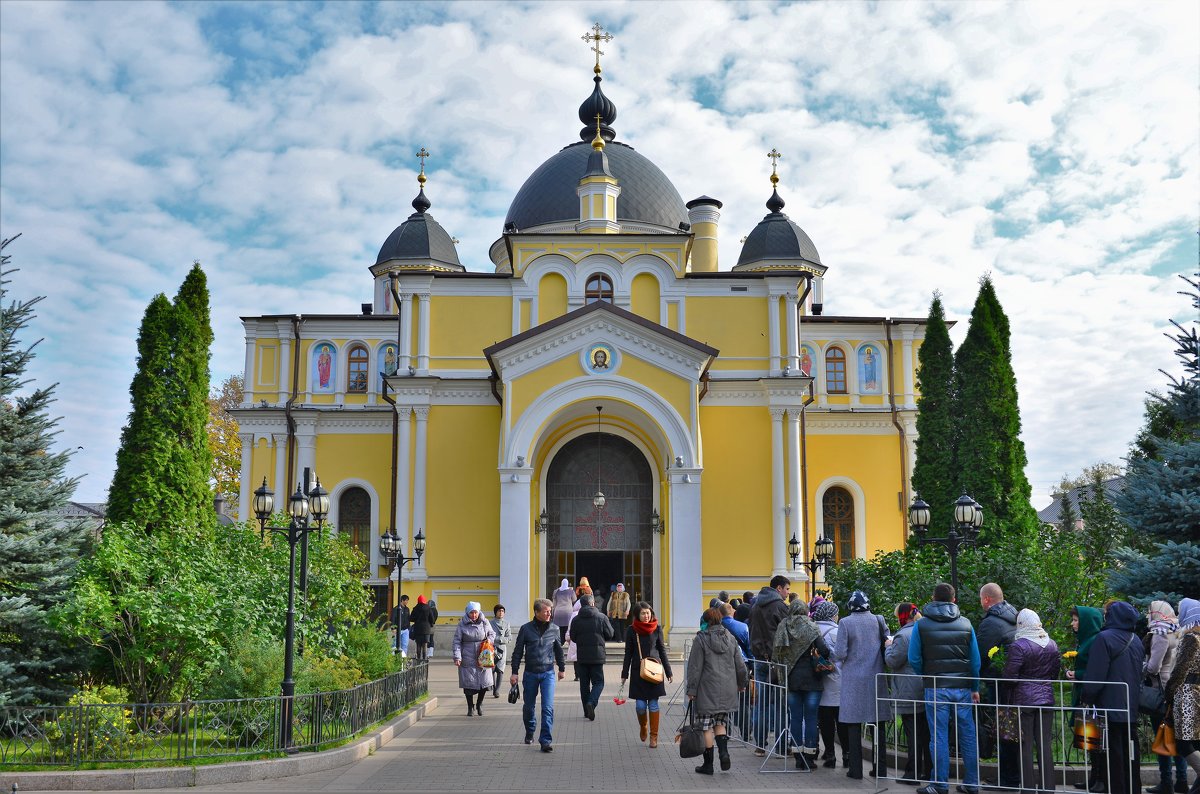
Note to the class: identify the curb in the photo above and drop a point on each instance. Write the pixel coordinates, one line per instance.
(214, 774)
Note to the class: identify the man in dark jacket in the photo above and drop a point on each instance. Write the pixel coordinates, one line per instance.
(539, 645)
(942, 647)
(1115, 658)
(996, 630)
(400, 619)
(589, 630)
(770, 607)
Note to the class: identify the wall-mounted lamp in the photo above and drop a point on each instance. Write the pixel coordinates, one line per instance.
(657, 524)
(543, 524)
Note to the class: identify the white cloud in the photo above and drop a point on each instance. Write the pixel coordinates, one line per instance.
(275, 144)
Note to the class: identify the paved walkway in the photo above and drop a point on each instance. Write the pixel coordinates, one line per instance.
(448, 751)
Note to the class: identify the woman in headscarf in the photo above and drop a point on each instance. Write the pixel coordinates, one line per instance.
(563, 599)
(1033, 662)
(421, 621)
(715, 676)
(1183, 689)
(796, 638)
(826, 616)
(644, 640)
(908, 695)
(859, 654)
(1086, 623)
(1162, 641)
(469, 637)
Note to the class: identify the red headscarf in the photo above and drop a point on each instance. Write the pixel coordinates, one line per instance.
(420, 599)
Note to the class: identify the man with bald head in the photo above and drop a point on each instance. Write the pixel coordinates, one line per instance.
(997, 629)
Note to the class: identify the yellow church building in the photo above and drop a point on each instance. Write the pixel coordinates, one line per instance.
(607, 402)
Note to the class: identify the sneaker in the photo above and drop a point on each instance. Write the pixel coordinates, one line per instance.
(962, 788)
(760, 753)
(931, 789)
(547, 748)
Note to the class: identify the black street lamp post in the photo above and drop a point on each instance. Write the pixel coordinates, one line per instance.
(968, 518)
(389, 546)
(304, 509)
(822, 556)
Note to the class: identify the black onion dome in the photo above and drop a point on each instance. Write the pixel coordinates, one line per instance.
(420, 241)
(597, 103)
(548, 195)
(777, 241)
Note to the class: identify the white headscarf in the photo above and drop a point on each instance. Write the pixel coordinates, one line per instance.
(564, 586)
(1029, 627)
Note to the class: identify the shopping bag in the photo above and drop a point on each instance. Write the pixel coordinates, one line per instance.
(487, 654)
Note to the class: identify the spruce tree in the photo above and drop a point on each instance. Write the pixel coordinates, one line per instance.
(164, 463)
(38, 552)
(1066, 514)
(991, 456)
(1161, 499)
(935, 474)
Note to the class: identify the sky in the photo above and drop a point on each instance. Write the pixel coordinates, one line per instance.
(1054, 146)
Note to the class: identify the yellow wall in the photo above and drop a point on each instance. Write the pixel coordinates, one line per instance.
(462, 326)
(644, 296)
(737, 326)
(874, 463)
(736, 500)
(463, 491)
(552, 297)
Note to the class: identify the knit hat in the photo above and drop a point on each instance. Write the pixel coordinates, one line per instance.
(473, 606)
(904, 612)
(859, 602)
(826, 610)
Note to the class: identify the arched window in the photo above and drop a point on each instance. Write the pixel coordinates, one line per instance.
(357, 370)
(599, 288)
(354, 519)
(835, 371)
(837, 509)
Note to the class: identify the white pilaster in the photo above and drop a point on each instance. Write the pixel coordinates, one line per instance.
(793, 333)
(910, 401)
(778, 528)
(404, 354)
(685, 555)
(773, 335)
(306, 455)
(244, 498)
(248, 377)
(795, 497)
(280, 485)
(516, 535)
(421, 413)
(423, 335)
(403, 444)
(285, 367)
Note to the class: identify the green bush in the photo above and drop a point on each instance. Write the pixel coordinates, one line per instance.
(252, 669)
(371, 650)
(318, 672)
(102, 730)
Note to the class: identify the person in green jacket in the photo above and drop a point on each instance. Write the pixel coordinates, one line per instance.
(1086, 623)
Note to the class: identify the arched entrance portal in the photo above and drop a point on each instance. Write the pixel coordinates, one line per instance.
(607, 545)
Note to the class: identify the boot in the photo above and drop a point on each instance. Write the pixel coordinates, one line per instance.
(723, 751)
(1181, 786)
(1163, 787)
(642, 722)
(654, 736)
(706, 768)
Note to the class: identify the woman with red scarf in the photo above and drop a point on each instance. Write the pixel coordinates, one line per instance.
(644, 640)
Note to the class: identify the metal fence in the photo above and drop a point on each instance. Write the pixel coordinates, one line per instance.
(1048, 747)
(98, 733)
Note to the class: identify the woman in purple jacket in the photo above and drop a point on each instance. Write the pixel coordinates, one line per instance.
(1033, 662)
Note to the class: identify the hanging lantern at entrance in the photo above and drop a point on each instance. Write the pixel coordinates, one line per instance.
(598, 499)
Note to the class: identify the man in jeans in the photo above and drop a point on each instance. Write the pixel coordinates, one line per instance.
(770, 607)
(539, 644)
(942, 647)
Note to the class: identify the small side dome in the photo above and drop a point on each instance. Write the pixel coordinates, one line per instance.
(420, 243)
(777, 243)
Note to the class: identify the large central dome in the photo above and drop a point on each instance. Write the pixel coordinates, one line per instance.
(548, 195)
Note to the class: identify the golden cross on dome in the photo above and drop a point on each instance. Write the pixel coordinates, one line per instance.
(422, 155)
(598, 141)
(594, 38)
(774, 155)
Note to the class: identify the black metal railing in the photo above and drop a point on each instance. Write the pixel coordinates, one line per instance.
(123, 733)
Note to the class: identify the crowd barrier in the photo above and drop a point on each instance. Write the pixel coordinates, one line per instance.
(1052, 734)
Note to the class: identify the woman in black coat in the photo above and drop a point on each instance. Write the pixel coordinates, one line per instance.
(644, 640)
(421, 620)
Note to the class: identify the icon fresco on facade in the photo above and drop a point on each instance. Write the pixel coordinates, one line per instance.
(600, 358)
(324, 367)
(868, 370)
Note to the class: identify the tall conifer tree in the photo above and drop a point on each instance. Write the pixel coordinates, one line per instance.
(991, 456)
(164, 463)
(935, 475)
(38, 552)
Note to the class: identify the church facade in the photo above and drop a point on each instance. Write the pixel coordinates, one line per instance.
(606, 402)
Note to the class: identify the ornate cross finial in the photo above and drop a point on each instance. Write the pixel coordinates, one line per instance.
(594, 38)
(422, 155)
(774, 155)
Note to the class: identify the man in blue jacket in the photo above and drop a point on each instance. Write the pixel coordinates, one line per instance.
(1113, 681)
(539, 645)
(942, 647)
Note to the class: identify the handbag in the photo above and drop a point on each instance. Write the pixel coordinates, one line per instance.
(1091, 732)
(650, 669)
(1151, 699)
(487, 654)
(690, 737)
(1008, 724)
(514, 694)
(1164, 737)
